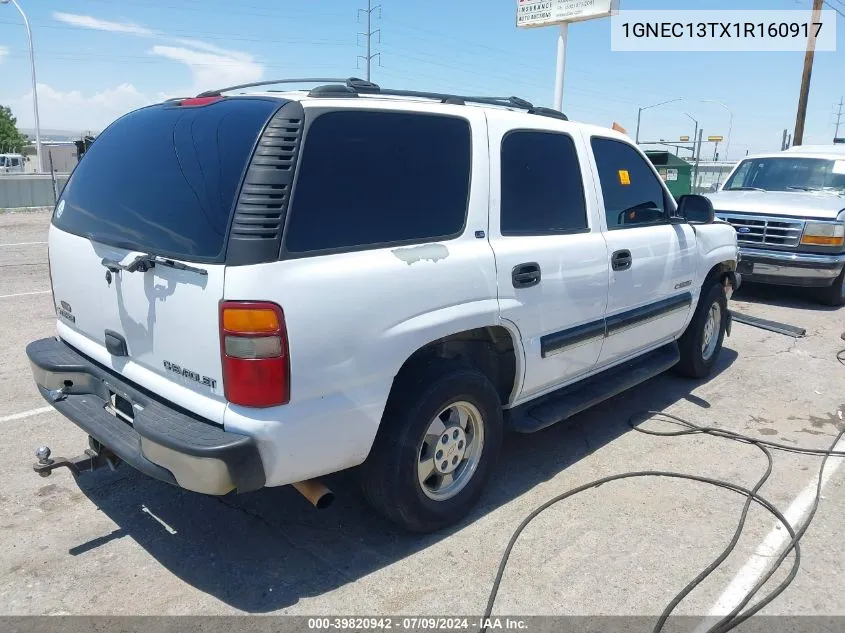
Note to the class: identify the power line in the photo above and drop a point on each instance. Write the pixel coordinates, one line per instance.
(201, 34)
(501, 76)
(152, 59)
(370, 56)
(834, 8)
(246, 10)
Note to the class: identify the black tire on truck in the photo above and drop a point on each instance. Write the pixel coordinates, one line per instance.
(834, 295)
(701, 343)
(437, 444)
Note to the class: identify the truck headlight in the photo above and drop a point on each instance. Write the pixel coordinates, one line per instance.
(823, 234)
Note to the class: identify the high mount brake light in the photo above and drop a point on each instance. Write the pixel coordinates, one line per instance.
(254, 352)
(198, 101)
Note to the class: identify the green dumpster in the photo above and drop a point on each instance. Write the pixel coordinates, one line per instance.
(675, 171)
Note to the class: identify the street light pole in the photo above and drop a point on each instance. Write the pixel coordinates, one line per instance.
(730, 123)
(637, 135)
(34, 87)
(694, 134)
(640, 112)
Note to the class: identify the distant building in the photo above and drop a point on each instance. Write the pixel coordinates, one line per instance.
(64, 155)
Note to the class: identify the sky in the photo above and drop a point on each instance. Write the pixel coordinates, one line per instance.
(97, 59)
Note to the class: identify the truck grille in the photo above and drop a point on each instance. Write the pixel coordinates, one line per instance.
(765, 231)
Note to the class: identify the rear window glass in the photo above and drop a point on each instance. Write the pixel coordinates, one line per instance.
(368, 179)
(164, 179)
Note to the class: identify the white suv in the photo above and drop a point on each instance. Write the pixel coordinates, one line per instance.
(261, 289)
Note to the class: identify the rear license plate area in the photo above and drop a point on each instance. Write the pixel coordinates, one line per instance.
(120, 407)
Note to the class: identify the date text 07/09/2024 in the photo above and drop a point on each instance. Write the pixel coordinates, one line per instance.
(429, 623)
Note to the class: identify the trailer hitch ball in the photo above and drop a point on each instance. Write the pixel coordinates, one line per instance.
(42, 453)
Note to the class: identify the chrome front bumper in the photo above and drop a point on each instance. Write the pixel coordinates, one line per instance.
(790, 268)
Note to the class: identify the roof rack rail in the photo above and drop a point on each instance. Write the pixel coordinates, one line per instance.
(353, 87)
(269, 82)
(509, 102)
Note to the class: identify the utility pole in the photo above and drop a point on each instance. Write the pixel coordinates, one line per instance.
(783, 141)
(798, 137)
(838, 118)
(370, 56)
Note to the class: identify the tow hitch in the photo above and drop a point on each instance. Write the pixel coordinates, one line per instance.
(94, 457)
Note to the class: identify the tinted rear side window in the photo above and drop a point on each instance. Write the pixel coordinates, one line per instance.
(369, 178)
(164, 179)
(542, 190)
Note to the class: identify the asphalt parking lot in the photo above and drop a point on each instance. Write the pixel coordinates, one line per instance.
(118, 543)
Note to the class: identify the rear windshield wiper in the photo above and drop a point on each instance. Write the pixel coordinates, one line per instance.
(802, 188)
(143, 263)
(745, 189)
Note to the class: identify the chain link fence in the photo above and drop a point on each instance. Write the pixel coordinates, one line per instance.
(710, 175)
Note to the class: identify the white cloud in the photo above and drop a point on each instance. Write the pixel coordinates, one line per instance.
(76, 111)
(3, 52)
(211, 66)
(211, 48)
(90, 22)
(213, 70)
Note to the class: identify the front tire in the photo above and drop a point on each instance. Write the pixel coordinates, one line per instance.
(701, 343)
(439, 439)
(834, 295)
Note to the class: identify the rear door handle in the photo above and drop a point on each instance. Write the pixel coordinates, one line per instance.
(621, 260)
(525, 275)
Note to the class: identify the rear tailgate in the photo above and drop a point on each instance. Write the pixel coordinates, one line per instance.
(160, 182)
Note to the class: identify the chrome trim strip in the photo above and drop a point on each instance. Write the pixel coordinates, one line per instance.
(789, 256)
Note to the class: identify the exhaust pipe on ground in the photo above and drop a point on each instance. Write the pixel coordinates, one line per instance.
(316, 492)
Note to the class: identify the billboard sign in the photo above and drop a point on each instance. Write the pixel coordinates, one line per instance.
(534, 13)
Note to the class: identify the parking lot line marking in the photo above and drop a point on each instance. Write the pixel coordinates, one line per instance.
(25, 414)
(22, 243)
(771, 546)
(24, 294)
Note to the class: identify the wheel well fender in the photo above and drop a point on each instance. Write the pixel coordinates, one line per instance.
(492, 350)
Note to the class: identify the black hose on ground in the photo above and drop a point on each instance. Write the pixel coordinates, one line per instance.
(736, 616)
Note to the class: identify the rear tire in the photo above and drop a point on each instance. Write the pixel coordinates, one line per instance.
(393, 478)
(834, 295)
(701, 343)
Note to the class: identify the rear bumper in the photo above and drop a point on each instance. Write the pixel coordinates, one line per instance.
(162, 441)
(788, 268)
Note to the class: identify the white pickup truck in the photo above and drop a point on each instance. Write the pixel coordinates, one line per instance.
(271, 287)
(788, 209)
(12, 163)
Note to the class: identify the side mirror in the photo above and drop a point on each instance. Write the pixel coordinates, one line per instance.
(696, 209)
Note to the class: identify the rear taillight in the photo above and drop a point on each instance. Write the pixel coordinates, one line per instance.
(254, 349)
